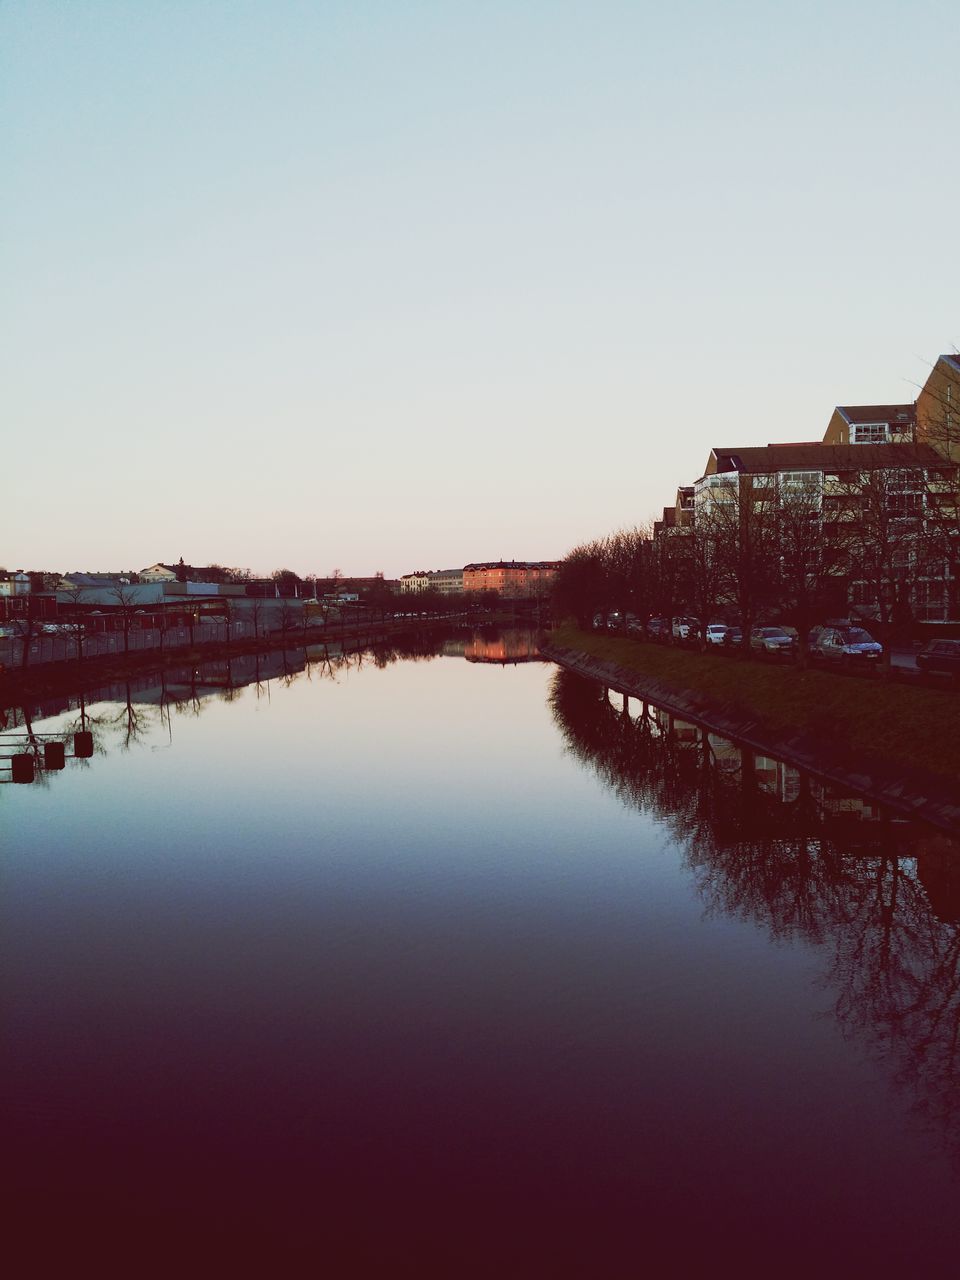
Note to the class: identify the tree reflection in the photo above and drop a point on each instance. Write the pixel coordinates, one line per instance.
(132, 719)
(768, 846)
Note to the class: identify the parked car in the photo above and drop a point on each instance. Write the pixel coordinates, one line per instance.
(686, 628)
(734, 636)
(657, 628)
(940, 655)
(849, 645)
(634, 625)
(717, 632)
(771, 641)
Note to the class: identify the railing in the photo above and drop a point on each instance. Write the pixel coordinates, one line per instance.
(58, 648)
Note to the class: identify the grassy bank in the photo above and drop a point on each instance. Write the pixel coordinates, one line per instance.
(887, 721)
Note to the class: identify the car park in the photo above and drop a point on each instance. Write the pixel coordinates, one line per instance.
(942, 656)
(851, 646)
(717, 632)
(772, 641)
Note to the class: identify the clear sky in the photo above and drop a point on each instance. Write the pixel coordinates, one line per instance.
(398, 285)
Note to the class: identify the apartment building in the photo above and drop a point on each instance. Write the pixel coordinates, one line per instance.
(894, 506)
(516, 579)
(938, 408)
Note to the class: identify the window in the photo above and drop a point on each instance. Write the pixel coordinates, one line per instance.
(870, 433)
(801, 484)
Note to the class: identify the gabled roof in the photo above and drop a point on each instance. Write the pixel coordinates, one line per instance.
(952, 358)
(855, 413)
(757, 460)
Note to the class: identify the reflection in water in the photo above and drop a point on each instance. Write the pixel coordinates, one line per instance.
(128, 710)
(769, 844)
(351, 952)
(502, 645)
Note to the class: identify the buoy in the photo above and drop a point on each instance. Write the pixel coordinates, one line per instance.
(22, 768)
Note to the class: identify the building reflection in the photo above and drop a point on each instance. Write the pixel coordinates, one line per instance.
(506, 645)
(769, 844)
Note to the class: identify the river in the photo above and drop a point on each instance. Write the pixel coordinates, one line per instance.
(444, 962)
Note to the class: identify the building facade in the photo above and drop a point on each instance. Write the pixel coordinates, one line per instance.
(447, 582)
(514, 579)
(891, 507)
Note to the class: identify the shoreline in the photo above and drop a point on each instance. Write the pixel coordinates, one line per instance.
(830, 753)
(73, 676)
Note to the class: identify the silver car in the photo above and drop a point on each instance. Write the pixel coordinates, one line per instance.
(771, 640)
(850, 645)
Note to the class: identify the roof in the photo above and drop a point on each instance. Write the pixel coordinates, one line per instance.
(94, 579)
(826, 457)
(952, 357)
(854, 413)
(512, 564)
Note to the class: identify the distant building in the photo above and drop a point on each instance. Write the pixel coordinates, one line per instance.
(445, 581)
(517, 579)
(163, 573)
(174, 573)
(18, 584)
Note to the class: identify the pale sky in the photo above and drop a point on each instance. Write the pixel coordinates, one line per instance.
(399, 285)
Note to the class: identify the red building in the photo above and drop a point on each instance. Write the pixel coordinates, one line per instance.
(527, 579)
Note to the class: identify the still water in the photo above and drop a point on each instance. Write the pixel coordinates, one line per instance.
(445, 963)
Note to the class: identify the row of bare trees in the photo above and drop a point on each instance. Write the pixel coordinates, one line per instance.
(759, 548)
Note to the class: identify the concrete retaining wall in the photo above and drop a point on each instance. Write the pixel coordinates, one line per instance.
(900, 788)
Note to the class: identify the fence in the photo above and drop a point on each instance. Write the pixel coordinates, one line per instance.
(59, 648)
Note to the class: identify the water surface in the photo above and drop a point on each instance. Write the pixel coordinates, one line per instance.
(453, 966)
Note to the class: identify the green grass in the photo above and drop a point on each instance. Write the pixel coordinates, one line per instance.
(881, 719)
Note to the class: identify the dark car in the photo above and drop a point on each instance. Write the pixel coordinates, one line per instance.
(657, 628)
(734, 636)
(940, 655)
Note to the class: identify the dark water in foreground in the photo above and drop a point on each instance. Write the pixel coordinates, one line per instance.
(448, 967)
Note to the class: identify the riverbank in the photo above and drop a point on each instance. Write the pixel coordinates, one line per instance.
(895, 743)
(20, 685)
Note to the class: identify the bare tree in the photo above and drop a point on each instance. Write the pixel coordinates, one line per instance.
(815, 557)
(27, 627)
(742, 513)
(75, 618)
(257, 608)
(126, 599)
